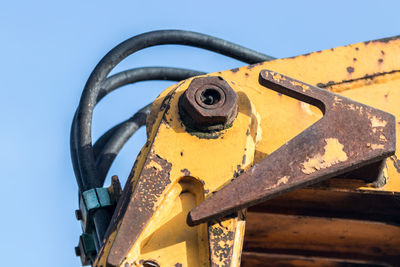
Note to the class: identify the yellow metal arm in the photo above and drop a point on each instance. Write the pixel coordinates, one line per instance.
(180, 167)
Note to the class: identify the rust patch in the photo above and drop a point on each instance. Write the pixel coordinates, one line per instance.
(323, 85)
(165, 104)
(341, 142)
(150, 186)
(380, 60)
(235, 70)
(350, 70)
(221, 244)
(354, 59)
(178, 264)
(238, 172)
(209, 104)
(367, 76)
(185, 172)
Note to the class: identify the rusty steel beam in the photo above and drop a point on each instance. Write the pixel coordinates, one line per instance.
(349, 136)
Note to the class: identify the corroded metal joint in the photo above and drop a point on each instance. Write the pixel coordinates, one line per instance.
(208, 104)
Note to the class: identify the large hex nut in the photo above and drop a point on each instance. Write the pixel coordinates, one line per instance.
(208, 104)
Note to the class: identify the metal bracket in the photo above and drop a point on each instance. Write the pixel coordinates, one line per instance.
(90, 201)
(349, 136)
(86, 249)
(93, 199)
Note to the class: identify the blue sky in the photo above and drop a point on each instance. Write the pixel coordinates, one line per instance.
(49, 48)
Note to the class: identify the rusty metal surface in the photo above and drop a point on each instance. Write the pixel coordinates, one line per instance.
(142, 202)
(209, 103)
(221, 241)
(257, 259)
(326, 237)
(349, 136)
(157, 176)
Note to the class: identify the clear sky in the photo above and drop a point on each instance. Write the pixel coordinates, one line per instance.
(48, 49)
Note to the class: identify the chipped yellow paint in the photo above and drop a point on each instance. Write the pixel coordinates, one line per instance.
(375, 146)
(277, 77)
(223, 234)
(333, 154)
(282, 119)
(155, 165)
(283, 180)
(152, 131)
(344, 70)
(164, 235)
(167, 239)
(383, 93)
(376, 122)
(304, 87)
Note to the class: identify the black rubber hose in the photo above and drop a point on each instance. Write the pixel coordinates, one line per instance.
(110, 84)
(118, 140)
(102, 141)
(108, 62)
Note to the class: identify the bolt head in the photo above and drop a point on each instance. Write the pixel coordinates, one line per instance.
(209, 103)
(78, 215)
(77, 251)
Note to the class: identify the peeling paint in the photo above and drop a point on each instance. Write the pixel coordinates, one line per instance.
(375, 146)
(277, 77)
(376, 122)
(333, 154)
(304, 87)
(221, 239)
(283, 180)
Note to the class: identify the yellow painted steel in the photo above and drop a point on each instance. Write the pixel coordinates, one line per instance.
(366, 72)
(200, 166)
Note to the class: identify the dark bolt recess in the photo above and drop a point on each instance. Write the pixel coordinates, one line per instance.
(208, 104)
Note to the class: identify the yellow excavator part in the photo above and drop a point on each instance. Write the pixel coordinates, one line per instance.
(339, 221)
